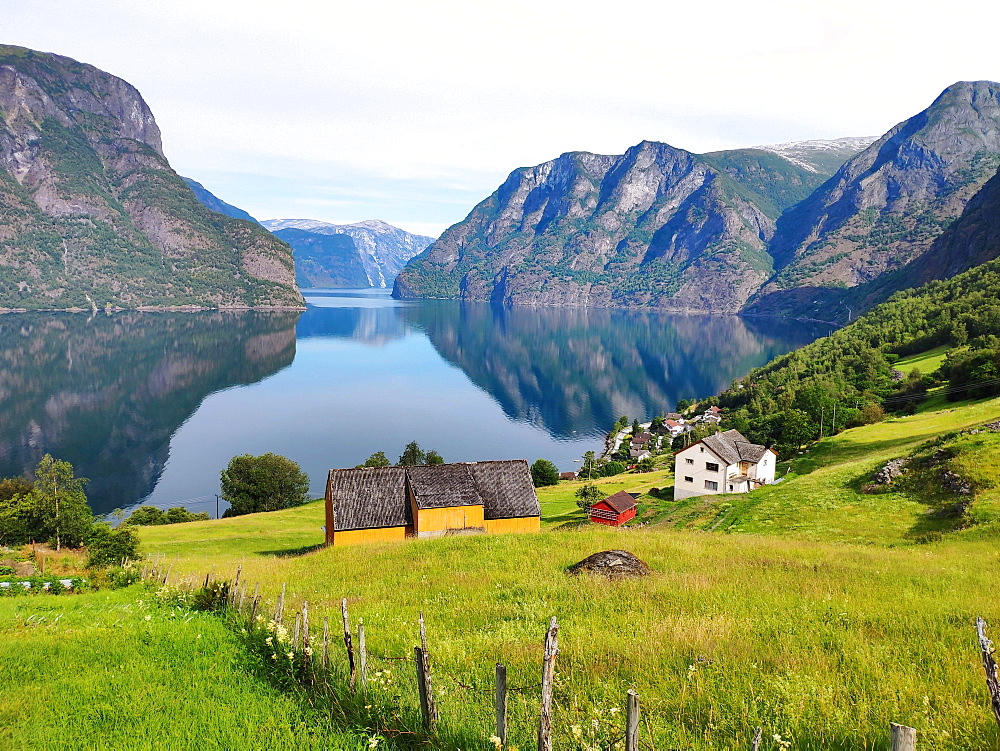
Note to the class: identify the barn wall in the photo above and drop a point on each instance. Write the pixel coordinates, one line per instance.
(503, 526)
(432, 521)
(361, 536)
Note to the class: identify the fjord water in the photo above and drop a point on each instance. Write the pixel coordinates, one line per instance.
(151, 406)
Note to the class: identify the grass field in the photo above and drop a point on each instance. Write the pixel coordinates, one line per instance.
(925, 362)
(822, 622)
(118, 670)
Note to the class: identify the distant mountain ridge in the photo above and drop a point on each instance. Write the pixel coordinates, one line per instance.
(92, 215)
(810, 229)
(369, 253)
(215, 203)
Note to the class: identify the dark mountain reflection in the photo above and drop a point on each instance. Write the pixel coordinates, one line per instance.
(106, 393)
(573, 371)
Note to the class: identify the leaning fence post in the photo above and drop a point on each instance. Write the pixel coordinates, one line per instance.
(903, 738)
(236, 586)
(362, 656)
(990, 666)
(425, 658)
(295, 632)
(279, 608)
(758, 735)
(418, 660)
(326, 643)
(548, 674)
(632, 721)
(254, 603)
(307, 663)
(501, 703)
(348, 645)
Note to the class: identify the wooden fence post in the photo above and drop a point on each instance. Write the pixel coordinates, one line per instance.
(243, 596)
(903, 738)
(236, 586)
(632, 721)
(279, 608)
(418, 660)
(426, 664)
(326, 643)
(362, 656)
(501, 704)
(348, 645)
(306, 661)
(295, 633)
(758, 735)
(548, 674)
(990, 666)
(254, 603)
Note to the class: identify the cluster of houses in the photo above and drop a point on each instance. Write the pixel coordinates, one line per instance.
(674, 425)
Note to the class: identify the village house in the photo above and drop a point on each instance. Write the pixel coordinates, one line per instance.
(712, 414)
(614, 510)
(673, 427)
(369, 504)
(567, 475)
(641, 444)
(722, 463)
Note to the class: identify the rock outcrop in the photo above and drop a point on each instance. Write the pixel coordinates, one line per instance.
(92, 215)
(613, 564)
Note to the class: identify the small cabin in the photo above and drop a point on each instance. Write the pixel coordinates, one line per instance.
(567, 475)
(614, 510)
(370, 504)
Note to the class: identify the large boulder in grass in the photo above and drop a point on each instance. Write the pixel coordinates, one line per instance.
(613, 564)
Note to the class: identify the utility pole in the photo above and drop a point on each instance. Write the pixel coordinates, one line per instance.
(216, 505)
(834, 431)
(822, 415)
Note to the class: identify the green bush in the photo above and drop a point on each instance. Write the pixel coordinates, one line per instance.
(544, 472)
(612, 468)
(107, 546)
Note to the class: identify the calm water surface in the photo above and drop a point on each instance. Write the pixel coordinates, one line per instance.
(151, 406)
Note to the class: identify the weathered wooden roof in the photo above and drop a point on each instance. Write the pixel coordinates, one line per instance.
(442, 485)
(732, 447)
(620, 502)
(369, 498)
(506, 489)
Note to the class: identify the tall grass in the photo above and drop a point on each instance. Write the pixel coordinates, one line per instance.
(118, 670)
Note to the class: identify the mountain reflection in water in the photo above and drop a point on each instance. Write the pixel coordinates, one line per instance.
(131, 399)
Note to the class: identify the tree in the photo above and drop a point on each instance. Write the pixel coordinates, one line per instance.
(269, 482)
(109, 547)
(613, 468)
(433, 457)
(58, 506)
(147, 516)
(645, 465)
(378, 459)
(635, 427)
(14, 511)
(412, 456)
(589, 468)
(180, 515)
(588, 495)
(544, 472)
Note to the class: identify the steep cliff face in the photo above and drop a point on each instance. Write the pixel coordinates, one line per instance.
(91, 214)
(329, 255)
(886, 206)
(656, 227)
(759, 230)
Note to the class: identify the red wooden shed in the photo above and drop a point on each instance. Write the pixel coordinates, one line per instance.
(614, 510)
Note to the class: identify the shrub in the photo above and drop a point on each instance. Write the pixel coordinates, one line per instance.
(588, 495)
(107, 546)
(147, 516)
(612, 468)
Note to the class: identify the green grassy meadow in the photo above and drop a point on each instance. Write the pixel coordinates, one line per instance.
(808, 608)
(119, 670)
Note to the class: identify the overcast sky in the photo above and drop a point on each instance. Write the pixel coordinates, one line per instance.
(413, 112)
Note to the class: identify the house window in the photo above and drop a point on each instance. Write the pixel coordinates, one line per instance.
(730, 488)
(711, 485)
(711, 467)
(689, 461)
(763, 463)
(688, 479)
(701, 449)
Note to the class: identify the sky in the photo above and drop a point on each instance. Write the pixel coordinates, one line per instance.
(414, 112)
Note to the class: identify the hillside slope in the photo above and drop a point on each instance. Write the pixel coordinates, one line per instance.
(91, 214)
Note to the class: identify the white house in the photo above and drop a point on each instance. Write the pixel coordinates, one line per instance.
(722, 463)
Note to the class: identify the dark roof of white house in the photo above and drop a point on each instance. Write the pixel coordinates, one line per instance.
(732, 447)
(374, 497)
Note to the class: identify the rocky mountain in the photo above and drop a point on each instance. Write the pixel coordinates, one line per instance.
(886, 206)
(209, 199)
(92, 215)
(656, 227)
(369, 253)
(790, 229)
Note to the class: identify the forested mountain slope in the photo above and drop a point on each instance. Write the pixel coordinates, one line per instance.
(92, 215)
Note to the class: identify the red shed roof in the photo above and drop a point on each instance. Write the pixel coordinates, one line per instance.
(620, 502)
